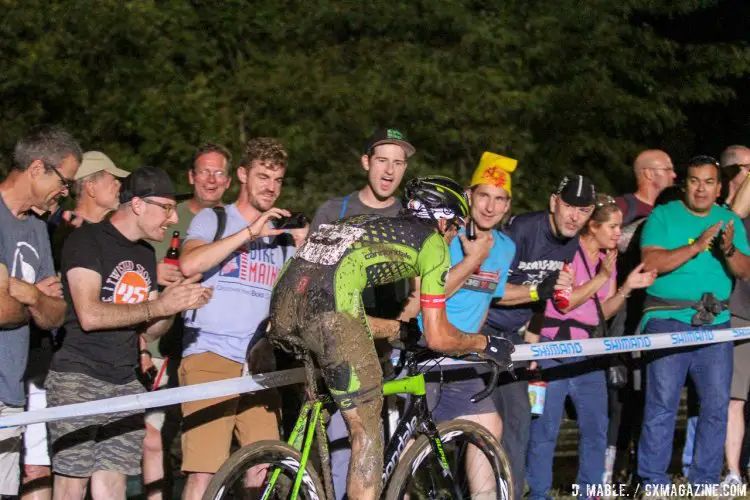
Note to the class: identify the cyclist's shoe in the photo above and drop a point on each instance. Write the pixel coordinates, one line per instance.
(499, 350)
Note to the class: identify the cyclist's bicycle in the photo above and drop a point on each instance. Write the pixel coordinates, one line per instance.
(434, 466)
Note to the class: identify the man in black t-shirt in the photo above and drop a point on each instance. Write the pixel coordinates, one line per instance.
(109, 282)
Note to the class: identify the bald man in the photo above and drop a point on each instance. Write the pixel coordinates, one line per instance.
(654, 172)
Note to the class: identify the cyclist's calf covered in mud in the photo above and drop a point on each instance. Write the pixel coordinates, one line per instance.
(317, 300)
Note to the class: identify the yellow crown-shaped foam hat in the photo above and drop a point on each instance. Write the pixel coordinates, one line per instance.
(494, 170)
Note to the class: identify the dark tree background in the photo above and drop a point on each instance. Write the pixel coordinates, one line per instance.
(562, 85)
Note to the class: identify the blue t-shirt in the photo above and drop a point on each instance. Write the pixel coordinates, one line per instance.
(538, 253)
(467, 307)
(242, 288)
(672, 226)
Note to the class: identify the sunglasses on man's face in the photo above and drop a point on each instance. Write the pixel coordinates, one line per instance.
(66, 183)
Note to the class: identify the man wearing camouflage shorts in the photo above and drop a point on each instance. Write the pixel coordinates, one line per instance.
(109, 282)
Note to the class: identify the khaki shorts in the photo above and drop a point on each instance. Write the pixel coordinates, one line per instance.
(741, 365)
(208, 425)
(10, 453)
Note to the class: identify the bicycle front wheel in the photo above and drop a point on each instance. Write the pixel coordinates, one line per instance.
(273, 465)
(478, 464)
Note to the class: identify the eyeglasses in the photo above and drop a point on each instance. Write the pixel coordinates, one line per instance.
(169, 209)
(219, 175)
(66, 183)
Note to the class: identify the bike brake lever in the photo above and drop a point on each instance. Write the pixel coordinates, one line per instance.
(484, 393)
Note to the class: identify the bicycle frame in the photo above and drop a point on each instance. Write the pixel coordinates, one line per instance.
(416, 420)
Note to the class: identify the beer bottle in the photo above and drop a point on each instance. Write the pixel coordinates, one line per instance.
(173, 254)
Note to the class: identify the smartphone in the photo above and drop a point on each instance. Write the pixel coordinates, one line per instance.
(296, 221)
(471, 230)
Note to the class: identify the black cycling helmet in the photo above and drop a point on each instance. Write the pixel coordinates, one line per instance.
(436, 192)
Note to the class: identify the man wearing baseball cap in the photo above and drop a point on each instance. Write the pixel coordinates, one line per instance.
(384, 158)
(544, 241)
(96, 187)
(109, 281)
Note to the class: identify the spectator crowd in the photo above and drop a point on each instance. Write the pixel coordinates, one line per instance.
(94, 304)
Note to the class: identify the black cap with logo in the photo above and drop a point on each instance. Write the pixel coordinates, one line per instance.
(577, 191)
(149, 181)
(389, 136)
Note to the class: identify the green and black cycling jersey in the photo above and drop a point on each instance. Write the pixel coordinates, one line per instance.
(318, 297)
(371, 250)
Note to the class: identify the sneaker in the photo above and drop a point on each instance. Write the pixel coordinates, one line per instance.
(731, 482)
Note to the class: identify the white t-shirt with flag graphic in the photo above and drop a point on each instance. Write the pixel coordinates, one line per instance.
(242, 288)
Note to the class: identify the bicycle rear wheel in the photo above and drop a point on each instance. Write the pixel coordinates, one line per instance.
(418, 476)
(229, 480)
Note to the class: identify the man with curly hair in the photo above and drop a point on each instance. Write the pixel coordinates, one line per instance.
(241, 264)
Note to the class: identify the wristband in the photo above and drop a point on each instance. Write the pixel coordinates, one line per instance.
(145, 351)
(533, 293)
(148, 312)
(621, 292)
(251, 233)
(731, 251)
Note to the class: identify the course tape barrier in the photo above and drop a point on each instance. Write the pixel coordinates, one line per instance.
(241, 385)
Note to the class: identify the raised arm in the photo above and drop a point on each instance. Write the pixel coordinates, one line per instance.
(475, 253)
(95, 315)
(738, 262)
(663, 261)
(199, 256)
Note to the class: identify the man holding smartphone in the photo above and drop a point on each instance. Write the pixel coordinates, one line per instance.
(480, 259)
(241, 264)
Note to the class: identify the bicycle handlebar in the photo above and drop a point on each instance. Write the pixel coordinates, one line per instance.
(418, 354)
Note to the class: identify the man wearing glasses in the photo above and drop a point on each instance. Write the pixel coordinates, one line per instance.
(654, 172)
(109, 280)
(210, 176)
(697, 247)
(44, 162)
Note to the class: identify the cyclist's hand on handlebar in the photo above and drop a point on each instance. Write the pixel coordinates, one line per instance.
(408, 336)
(499, 350)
